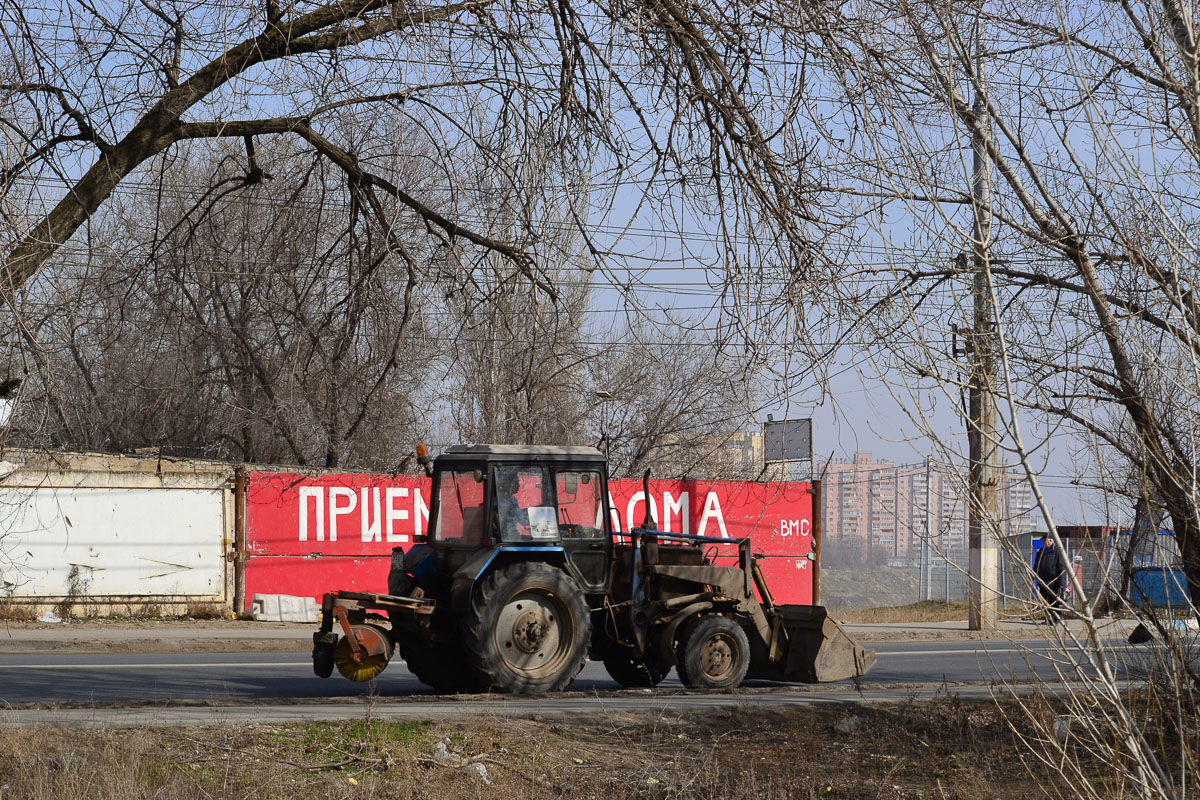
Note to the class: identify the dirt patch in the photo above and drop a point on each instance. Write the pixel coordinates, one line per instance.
(152, 623)
(862, 587)
(925, 611)
(152, 644)
(944, 749)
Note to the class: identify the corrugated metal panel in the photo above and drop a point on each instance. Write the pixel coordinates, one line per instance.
(112, 542)
(1159, 586)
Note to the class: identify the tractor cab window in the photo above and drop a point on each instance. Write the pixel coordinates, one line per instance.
(580, 505)
(524, 509)
(460, 507)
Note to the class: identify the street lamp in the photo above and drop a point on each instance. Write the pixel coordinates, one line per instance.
(604, 397)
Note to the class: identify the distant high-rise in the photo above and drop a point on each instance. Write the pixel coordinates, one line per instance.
(877, 509)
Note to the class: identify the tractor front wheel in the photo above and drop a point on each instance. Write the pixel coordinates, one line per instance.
(713, 653)
(528, 629)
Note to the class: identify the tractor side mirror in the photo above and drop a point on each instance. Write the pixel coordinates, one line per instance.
(478, 476)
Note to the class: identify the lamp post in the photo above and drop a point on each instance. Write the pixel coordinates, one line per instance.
(604, 397)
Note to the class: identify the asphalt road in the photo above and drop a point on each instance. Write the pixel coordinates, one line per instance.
(219, 678)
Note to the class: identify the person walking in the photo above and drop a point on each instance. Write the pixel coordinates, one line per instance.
(1050, 566)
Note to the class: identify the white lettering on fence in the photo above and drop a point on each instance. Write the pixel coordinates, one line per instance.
(712, 508)
(679, 507)
(394, 514)
(382, 516)
(318, 497)
(616, 515)
(370, 524)
(420, 511)
(638, 497)
(337, 509)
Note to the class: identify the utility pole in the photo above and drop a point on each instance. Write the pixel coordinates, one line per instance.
(982, 428)
(926, 543)
(896, 512)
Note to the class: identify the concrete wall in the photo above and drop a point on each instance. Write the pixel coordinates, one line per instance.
(115, 532)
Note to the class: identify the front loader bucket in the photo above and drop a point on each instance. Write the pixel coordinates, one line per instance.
(817, 649)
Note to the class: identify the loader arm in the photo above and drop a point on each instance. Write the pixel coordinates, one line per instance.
(800, 643)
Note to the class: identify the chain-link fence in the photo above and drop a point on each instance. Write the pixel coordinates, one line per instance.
(1103, 558)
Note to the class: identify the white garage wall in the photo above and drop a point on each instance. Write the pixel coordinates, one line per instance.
(112, 542)
(113, 528)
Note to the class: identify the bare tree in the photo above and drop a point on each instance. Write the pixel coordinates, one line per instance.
(637, 119)
(517, 359)
(267, 323)
(663, 102)
(1087, 117)
(677, 402)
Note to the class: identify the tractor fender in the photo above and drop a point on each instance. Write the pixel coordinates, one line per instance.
(416, 567)
(465, 577)
(666, 638)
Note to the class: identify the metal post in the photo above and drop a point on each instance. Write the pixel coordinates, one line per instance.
(818, 530)
(946, 575)
(982, 429)
(239, 540)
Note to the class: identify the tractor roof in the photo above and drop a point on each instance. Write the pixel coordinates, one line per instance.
(518, 451)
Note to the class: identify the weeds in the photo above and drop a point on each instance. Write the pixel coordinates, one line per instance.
(77, 588)
(206, 611)
(12, 611)
(936, 749)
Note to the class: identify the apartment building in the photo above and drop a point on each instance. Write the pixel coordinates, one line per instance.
(878, 509)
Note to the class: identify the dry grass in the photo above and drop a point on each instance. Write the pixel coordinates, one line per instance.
(925, 611)
(206, 611)
(944, 749)
(11, 611)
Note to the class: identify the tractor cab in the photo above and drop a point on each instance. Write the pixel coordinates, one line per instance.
(504, 501)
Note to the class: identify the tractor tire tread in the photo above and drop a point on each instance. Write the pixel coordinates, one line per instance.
(490, 595)
(688, 654)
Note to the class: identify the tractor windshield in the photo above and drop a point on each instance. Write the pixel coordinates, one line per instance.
(460, 507)
(580, 506)
(523, 505)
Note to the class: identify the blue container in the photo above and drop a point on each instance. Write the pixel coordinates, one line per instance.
(1160, 587)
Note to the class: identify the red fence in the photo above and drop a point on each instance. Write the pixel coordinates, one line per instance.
(308, 535)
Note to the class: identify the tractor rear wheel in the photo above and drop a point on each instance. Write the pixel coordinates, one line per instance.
(713, 653)
(634, 673)
(528, 629)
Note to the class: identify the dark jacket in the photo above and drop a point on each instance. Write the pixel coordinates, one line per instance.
(1051, 568)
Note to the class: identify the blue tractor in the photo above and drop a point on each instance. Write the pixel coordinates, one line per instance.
(521, 580)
